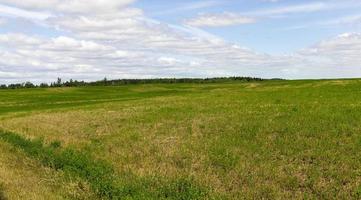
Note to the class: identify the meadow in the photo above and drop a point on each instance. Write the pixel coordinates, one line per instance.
(272, 139)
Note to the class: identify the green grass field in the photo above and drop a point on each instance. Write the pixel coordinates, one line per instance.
(257, 140)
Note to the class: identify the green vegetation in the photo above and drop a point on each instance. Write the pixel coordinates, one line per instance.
(100, 175)
(2, 193)
(106, 82)
(272, 139)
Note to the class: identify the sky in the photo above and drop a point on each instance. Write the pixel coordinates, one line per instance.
(92, 39)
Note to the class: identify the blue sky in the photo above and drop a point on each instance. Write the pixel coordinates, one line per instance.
(271, 34)
(90, 39)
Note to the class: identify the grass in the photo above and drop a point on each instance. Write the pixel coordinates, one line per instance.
(2, 193)
(270, 140)
(100, 175)
(24, 178)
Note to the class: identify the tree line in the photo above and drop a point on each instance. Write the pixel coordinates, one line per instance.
(106, 82)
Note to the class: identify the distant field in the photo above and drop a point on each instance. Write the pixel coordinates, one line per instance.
(270, 140)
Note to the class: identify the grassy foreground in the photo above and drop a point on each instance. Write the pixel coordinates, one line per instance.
(270, 140)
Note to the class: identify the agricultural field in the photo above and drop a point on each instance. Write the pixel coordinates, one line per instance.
(235, 140)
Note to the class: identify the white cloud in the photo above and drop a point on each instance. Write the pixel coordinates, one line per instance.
(16, 40)
(217, 20)
(71, 6)
(230, 19)
(337, 57)
(8, 11)
(200, 4)
(316, 6)
(300, 8)
(342, 51)
(40, 58)
(66, 43)
(194, 5)
(350, 20)
(346, 20)
(2, 21)
(126, 44)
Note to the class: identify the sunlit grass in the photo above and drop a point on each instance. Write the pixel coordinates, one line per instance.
(273, 139)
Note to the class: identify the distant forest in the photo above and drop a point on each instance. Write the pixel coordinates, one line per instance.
(106, 82)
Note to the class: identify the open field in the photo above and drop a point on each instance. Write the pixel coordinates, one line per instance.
(270, 140)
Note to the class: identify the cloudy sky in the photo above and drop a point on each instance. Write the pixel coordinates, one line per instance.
(93, 39)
